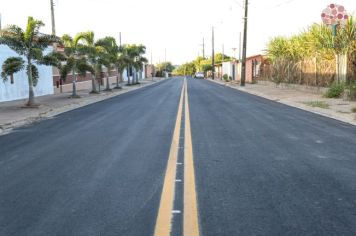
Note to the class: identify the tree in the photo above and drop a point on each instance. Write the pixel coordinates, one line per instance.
(11, 66)
(121, 62)
(164, 66)
(134, 55)
(140, 60)
(94, 54)
(185, 69)
(75, 60)
(108, 55)
(30, 44)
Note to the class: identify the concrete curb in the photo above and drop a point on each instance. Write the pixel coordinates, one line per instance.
(316, 110)
(53, 111)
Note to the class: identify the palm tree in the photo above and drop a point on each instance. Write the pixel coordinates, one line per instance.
(30, 44)
(95, 53)
(11, 66)
(121, 62)
(109, 57)
(76, 61)
(134, 53)
(139, 62)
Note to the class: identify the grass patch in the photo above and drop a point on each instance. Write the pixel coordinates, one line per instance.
(320, 104)
(353, 109)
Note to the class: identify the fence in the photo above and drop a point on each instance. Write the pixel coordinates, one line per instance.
(312, 72)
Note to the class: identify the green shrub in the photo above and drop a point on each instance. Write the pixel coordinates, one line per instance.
(226, 77)
(352, 93)
(353, 109)
(335, 90)
(320, 104)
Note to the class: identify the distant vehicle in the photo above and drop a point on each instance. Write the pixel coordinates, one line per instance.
(199, 75)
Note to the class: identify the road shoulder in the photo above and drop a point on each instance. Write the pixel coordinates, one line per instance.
(14, 115)
(337, 109)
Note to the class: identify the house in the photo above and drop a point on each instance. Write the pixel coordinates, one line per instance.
(218, 71)
(149, 71)
(231, 69)
(253, 68)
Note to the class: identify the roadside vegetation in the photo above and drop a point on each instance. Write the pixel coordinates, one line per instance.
(200, 64)
(79, 55)
(320, 104)
(336, 90)
(313, 56)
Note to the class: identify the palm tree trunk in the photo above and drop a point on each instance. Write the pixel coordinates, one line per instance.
(133, 75)
(117, 79)
(128, 74)
(93, 84)
(136, 75)
(107, 82)
(31, 94)
(74, 82)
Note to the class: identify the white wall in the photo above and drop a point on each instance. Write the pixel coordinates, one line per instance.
(226, 68)
(19, 89)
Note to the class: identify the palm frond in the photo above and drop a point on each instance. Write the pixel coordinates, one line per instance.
(35, 74)
(67, 40)
(13, 37)
(11, 66)
(83, 67)
(86, 38)
(32, 29)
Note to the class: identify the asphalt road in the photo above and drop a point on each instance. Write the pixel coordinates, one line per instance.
(264, 168)
(97, 170)
(261, 168)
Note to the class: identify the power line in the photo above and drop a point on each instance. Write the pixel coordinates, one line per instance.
(273, 6)
(239, 4)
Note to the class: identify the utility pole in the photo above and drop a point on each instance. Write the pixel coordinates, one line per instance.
(223, 56)
(212, 56)
(165, 61)
(152, 67)
(0, 21)
(120, 39)
(222, 63)
(52, 16)
(243, 66)
(203, 48)
(240, 47)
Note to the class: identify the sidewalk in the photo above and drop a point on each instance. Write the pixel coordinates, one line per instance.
(301, 97)
(13, 114)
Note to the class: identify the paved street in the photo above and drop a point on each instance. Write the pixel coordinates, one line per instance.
(153, 159)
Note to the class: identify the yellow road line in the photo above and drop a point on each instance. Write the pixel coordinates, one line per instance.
(190, 220)
(164, 218)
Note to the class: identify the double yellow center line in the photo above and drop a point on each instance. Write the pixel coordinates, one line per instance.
(190, 211)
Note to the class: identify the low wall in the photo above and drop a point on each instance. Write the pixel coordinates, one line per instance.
(85, 85)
